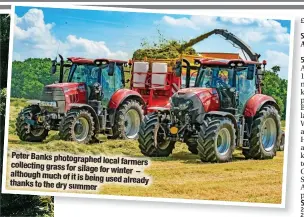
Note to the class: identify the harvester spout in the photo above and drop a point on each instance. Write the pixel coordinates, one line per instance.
(228, 36)
(195, 41)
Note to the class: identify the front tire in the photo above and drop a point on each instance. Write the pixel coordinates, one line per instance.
(216, 140)
(265, 135)
(192, 145)
(151, 142)
(29, 135)
(127, 120)
(78, 126)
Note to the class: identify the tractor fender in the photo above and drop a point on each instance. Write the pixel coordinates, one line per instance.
(121, 95)
(223, 114)
(91, 110)
(256, 102)
(118, 98)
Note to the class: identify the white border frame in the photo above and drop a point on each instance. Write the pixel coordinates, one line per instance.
(166, 11)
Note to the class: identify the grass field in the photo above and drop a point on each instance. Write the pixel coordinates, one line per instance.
(181, 175)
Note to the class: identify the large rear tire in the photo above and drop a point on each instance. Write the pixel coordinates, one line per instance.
(78, 126)
(29, 135)
(151, 142)
(216, 140)
(127, 120)
(265, 135)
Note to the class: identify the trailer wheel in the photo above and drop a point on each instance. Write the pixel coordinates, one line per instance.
(192, 145)
(32, 134)
(265, 135)
(151, 138)
(78, 126)
(127, 120)
(216, 140)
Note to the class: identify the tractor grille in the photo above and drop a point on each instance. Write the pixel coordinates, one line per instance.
(194, 109)
(52, 94)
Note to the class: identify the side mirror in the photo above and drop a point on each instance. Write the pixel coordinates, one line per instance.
(251, 72)
(111, 69)
(54, 66)
(178, 69)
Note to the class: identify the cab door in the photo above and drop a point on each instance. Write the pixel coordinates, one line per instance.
(246, 88)
(110, 83)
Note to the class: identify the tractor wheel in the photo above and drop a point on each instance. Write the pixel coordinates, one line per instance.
(216, 140)
(282, 143)
(29, 135)
(127, 120)
(192, 145)
(78, 126)
(265, 134)
(151, 138)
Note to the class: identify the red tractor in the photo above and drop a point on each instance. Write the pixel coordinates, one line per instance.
(93, 100)
(225, 109)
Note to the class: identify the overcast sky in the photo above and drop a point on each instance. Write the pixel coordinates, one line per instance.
(40, 32)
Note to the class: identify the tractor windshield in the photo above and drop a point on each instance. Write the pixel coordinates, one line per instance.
(215, 77)
(84, 73)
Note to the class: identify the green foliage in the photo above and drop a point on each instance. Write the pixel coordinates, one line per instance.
(30, 76)
(26, 205)
(2, 101)
(161, 49)
(276, 87)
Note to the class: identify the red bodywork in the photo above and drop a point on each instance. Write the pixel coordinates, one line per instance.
(208, 96)
(157, 96)
(255, 102)
(120, 95)
(73, 93)
(80, 60)
(225, 62)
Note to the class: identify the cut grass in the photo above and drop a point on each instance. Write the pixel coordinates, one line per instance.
(180, 175)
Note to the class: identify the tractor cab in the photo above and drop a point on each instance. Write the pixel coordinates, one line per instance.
(88, 100)
(99, 79)
(102, 77)
(233, 81)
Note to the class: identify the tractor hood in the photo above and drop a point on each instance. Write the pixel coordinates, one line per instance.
(195, 90)
(207, 97)
(66, 86)
(63, 94)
